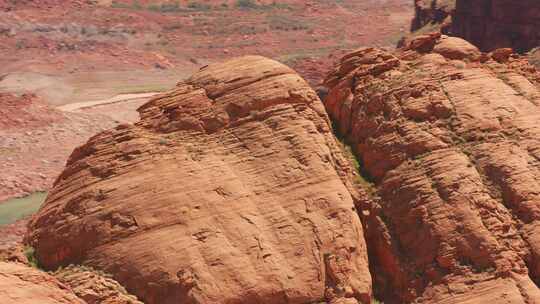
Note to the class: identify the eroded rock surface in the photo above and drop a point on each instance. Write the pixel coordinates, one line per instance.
(452, 144)
(231, 189)
(94, 287)
(20, 284)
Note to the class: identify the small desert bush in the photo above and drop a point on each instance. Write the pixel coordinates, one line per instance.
(30, 254)
(251, 4)
(199, 6)
(247, 4)
(285, 23)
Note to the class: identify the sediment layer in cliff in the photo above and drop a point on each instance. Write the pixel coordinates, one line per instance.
(450, 137)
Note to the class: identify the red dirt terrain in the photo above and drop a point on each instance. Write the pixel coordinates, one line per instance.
(35, 141)
(159, 36)
(450, 138)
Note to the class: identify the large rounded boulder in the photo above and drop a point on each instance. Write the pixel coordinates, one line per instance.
(230, 189)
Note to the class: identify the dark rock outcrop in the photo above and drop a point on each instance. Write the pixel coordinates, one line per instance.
(492, 24)
(488, 24)
(435, 13)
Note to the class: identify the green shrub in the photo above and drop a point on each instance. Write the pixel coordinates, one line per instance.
(199, 6)
(30, 254)
(20, 44)
(284, 23)
(280, 6)
(246, 4)
(135, 4)
(170, 7)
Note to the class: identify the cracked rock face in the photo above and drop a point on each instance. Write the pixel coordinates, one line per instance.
(453, 147)
(20, 284)
(231, 189)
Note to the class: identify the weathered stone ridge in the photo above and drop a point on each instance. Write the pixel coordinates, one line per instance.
(231, 189)
(450, 137)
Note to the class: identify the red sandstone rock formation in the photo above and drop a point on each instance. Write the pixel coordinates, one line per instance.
(89, 285)
(20, 284)
(94, 287)
(231, 189)
(451, 138)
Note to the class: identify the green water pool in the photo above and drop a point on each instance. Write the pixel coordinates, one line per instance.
(18, 208)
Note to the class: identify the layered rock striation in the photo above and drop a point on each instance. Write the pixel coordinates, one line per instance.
(450, 138)
(230, 189)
